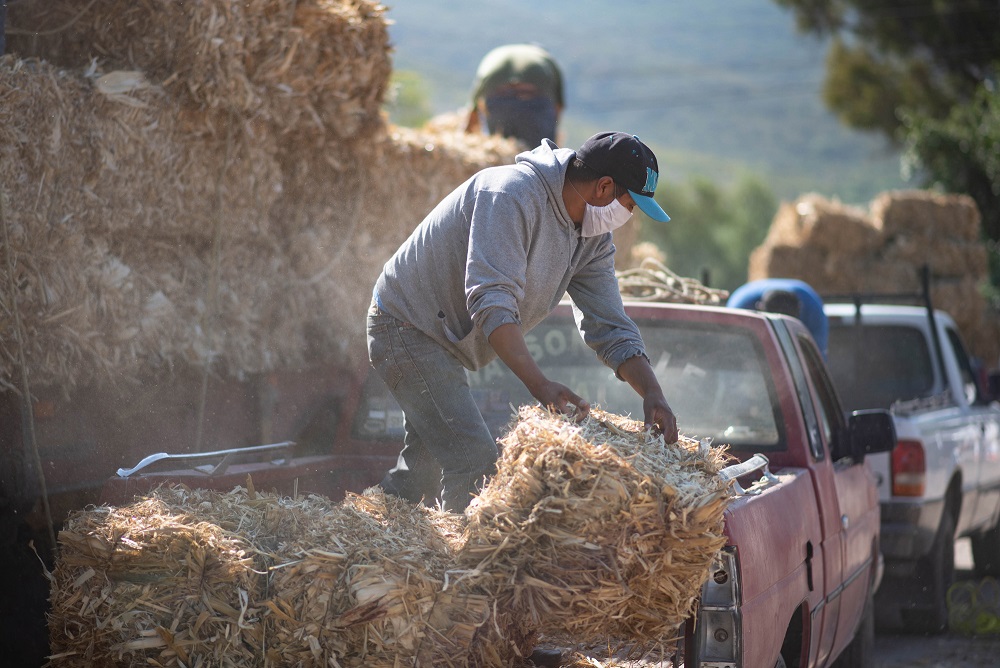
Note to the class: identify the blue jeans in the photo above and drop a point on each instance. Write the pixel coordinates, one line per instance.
(444, 432)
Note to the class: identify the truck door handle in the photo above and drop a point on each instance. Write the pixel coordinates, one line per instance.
(844, 522)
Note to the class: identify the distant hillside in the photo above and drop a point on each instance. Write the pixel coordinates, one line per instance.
(717, 87)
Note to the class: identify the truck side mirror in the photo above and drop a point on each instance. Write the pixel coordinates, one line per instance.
(871, 431)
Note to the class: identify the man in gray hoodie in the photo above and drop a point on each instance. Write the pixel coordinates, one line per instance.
(490, 261)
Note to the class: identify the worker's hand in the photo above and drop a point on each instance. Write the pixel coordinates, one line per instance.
(659, 417)
(559, 398)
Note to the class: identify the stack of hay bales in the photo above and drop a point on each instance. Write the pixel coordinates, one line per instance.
(317, 67)
(596, 530)
(193, 577)
(207, 186)
(842, 249)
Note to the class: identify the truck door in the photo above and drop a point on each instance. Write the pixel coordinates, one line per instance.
(824, 616)
(981, 435)
(855, 500)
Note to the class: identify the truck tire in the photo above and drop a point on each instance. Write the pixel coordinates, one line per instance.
(860, 652)
(935, 574)
(986, 552)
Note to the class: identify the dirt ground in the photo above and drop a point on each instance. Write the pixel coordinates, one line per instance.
(950, 650)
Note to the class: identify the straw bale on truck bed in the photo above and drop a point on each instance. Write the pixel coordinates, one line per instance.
(597, 529)
(593, 529)
(189, 577)
(844, 249)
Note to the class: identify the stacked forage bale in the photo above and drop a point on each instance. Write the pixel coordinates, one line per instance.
(841, 249)
(160, 582)
(368, 586)
(113, 197)
(315, 67)
(194, 577)
(944, 233)
(596, 530)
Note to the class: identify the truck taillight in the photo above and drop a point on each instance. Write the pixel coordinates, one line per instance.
(909, 469)
(718, 624)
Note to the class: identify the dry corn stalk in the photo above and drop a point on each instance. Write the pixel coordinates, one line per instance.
(597, 529)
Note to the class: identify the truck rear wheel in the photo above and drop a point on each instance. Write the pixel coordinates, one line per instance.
(935, 573)
(986, 552)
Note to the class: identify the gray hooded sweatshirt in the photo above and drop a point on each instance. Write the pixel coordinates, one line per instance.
(501, 248)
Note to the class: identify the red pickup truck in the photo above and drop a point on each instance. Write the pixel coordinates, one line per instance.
(794, 585)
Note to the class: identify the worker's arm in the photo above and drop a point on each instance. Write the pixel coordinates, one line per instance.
(637, 372)
(508, 342)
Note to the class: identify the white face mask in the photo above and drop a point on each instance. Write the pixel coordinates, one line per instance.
(600, 219)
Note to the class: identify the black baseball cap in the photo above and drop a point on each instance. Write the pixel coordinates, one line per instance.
(630, 163)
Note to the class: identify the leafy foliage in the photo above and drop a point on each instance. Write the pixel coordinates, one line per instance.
(961, 153)
(923, 55)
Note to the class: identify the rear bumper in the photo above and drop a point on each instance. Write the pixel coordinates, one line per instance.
(908, 529)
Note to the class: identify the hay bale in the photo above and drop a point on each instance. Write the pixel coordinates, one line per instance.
(884, 251)
(77, 152)
(369, 586)
(788, 261)
(155, 583)
(946, 257)
(319, 67)
(926, 215)
(343, 221)
(815, 221)
(597, 529)
(245, 579)
(88, 313)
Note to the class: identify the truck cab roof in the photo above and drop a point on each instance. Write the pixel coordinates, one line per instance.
(887, 312)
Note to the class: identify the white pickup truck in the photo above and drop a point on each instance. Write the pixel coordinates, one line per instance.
(942, 480)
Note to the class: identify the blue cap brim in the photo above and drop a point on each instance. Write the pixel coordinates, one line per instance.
(649, 207)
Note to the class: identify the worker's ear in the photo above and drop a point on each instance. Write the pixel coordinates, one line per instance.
(606, 188)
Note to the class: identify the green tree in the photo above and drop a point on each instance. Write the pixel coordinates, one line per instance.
(713, 230)
(885, 55)
(961, 153)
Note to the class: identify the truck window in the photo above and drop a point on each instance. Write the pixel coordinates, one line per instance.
(964, 366)
(828, 411)
(813, 432)
(716, 379)
(875, 365)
